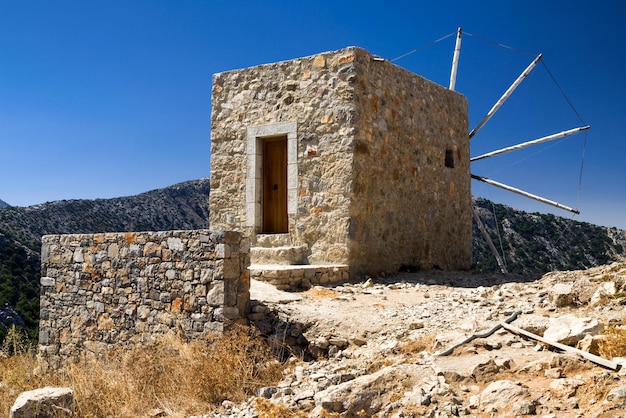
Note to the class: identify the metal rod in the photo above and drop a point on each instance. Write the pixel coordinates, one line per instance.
(531, 143)
(526, 194)
(487, 238)
(506, 95)
(455, 59)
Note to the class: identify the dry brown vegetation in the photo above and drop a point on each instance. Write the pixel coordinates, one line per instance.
(176, 377)
(613, 344)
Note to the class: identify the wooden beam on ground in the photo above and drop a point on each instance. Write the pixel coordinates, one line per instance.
(591, 357)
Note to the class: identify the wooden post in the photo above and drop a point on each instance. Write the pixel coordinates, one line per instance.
(531, 143)
(506, 95)
(526, 194)
(455, 59)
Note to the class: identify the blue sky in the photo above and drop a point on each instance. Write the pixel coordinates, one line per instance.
(101, 99)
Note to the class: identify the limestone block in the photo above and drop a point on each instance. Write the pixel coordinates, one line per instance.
(569, 329)
(562, 294)
(604, 291)
(44, 402)
(215, 296)
(501, 394)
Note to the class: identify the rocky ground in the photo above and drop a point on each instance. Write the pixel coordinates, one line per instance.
(373, 348)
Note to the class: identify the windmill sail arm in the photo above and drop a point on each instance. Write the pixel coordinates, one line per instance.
(531, 143)
(526, 194)
(487, 238)
(506, 95)
(455, 59)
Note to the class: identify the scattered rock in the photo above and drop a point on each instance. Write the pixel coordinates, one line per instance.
(564, 387)
(372, 350)
(590, 344)
(501, 394)
(570, 329)
(605, 290)
(561, 294)
(46, 402)
(617, 394)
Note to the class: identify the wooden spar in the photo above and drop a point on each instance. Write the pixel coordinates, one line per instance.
(455, 59)
(506, 95)
(591, 357)
(531, 143)
(487, 238)
(523, 193)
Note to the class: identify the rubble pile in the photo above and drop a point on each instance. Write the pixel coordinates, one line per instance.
(373, 348)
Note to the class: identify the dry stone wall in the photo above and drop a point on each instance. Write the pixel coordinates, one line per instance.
(119, 289)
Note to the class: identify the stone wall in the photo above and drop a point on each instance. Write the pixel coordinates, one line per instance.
(411, 172)
(118, 289)
(380, 160)
(317, 94)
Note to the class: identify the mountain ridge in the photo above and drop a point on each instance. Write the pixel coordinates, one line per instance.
(180, 206)
(532, 243)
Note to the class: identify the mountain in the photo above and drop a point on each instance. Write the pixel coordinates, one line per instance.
(182, 206)
(3, 204)
(532, 243)
(536, 243)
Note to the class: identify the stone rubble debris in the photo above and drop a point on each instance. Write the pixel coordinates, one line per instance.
(391, 369)
(365, 349)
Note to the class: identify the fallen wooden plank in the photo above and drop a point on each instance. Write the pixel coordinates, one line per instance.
(591, 357)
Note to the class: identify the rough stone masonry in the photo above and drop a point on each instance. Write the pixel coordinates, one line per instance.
(377, 161)
(100, 291)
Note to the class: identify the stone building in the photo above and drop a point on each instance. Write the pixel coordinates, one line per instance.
(340, 164)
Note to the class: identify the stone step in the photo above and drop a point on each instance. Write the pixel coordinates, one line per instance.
(284, 255)
(272, 240)
(300, 277)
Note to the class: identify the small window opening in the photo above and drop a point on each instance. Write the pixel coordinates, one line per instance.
(449, 158)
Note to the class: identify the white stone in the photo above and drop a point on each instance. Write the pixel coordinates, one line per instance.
(570, 329)
(605, 290)
(44, 402)
(501, 394)
(47, 281)
(175, 244)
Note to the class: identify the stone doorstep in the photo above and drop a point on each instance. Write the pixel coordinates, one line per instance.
(272, 240)
(283, 255)
(296, 277)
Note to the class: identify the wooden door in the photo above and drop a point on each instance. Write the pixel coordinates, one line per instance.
(275, 185)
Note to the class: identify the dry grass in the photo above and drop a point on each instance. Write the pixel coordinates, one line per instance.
(322, 292)
(267, 409)
(424, 343)
(614, 342)
(175, 377)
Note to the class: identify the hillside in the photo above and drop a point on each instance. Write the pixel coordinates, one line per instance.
(533, 243)
(182, 206)
(3, 204)
(536, 243)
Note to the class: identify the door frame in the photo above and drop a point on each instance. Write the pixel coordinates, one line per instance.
(254, 170)
(274, 193)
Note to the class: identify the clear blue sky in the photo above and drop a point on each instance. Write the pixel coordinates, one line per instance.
(101, 99)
